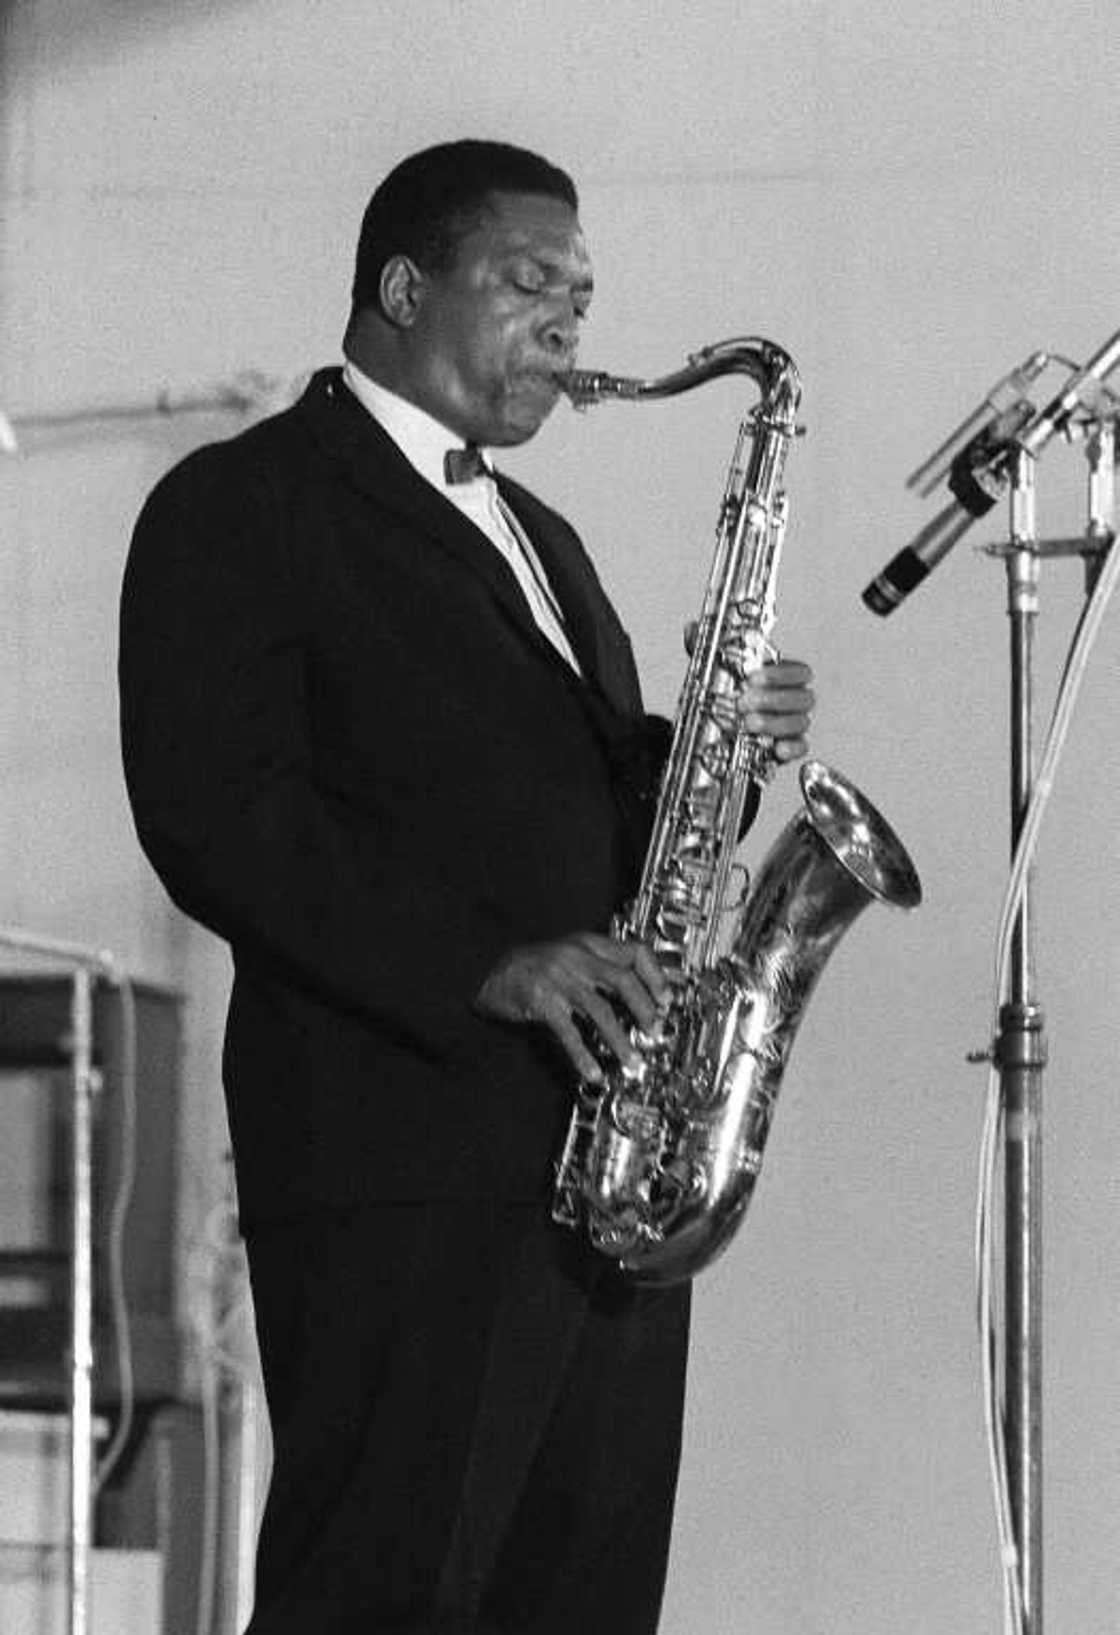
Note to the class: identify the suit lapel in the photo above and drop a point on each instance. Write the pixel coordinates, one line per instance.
(375, 466)
(600, 643)
(609, 692)
(561, 569)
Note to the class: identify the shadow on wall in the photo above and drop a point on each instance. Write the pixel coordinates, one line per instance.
(61, 34)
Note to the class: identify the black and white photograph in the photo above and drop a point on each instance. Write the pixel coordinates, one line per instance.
(559, 893)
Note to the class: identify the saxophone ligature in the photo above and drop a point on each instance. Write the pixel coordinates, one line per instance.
(662, 1155)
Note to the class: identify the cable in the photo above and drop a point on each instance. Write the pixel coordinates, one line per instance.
(1073, 675)
(118, 1219)
(217, 1264)
(249, 392)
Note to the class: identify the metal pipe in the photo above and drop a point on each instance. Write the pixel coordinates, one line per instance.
(1021, 1049)
(87, 963)
(81, 1302)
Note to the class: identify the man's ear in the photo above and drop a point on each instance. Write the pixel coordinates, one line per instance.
(401, 290)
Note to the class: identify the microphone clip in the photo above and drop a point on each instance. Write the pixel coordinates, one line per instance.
(978, 474)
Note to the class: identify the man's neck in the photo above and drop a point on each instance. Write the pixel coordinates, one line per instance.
(421, 438)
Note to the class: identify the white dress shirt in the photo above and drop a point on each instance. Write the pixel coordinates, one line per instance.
(424, 441)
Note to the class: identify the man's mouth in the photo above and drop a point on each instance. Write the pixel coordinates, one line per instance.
(544, 382)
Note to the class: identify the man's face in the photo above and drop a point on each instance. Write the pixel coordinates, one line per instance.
(493, 330)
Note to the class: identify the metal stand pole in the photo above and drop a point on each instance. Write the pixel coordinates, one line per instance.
(81, 1304)
(1021, 1043)
(85, 1082)
(1001, 457)
(1021, 1055)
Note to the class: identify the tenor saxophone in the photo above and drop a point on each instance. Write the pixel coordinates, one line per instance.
(663, 1153)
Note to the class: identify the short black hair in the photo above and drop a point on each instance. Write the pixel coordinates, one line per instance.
(426, 204)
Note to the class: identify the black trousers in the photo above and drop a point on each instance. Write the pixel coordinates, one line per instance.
(476, 1426)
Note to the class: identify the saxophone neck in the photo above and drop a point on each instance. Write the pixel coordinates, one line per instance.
(771, 368)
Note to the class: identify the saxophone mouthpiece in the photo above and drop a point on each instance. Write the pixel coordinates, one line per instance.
(587, 386)
(582, 386)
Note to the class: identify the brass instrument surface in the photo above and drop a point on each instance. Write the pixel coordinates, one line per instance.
(662, 1158)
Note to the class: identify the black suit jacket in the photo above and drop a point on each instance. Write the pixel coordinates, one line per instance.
(352, 754)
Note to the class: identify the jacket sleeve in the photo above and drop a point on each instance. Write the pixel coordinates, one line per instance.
(219, 766)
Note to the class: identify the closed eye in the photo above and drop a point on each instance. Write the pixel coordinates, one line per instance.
(540, 282)
(528, 277)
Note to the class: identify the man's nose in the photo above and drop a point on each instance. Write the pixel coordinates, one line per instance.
(561, 331)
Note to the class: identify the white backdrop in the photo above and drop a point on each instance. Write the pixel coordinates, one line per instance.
(910, 201)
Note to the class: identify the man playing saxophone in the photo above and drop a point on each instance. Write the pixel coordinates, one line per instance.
(383, 733)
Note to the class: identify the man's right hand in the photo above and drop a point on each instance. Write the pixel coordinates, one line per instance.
(579, 979)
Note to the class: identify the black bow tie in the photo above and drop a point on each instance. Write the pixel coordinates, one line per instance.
(463, 465)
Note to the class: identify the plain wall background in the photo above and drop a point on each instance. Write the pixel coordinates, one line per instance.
(910, 200)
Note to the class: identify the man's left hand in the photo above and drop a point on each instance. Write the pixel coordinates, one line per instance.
(777, 700)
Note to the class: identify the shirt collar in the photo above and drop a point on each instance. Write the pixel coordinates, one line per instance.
(421, 438)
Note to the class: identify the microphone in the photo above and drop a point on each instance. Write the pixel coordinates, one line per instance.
(1083, 389)
(981, 471)
(1007, 393)
(968, 470)
(980, 475)
(905, 572)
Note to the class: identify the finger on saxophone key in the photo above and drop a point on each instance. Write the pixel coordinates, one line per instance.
(777, 702)
(578, 983)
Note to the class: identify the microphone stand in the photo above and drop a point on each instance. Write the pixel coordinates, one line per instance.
(1001, 457)
(1020, 1048)
(1020, 1055)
